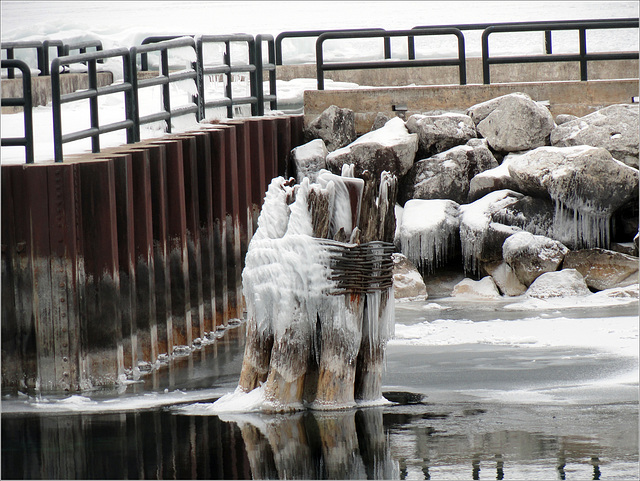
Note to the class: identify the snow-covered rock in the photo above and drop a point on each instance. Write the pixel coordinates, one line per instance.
(564, 283)
(513, 122)
(446, 175)
(407, 281)
(437, 133)
(428, 233)
(391, 148)
(602, 268)
(506, 280)
(485, 288)
(481, 237)
(336, 126)
(532, 255)
(497, 178)
(309, 159)
(586, 184)
(615, 128)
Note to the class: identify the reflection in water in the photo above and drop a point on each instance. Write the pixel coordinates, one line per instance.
(372, 443)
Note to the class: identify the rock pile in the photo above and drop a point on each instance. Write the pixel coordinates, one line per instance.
(522, 202)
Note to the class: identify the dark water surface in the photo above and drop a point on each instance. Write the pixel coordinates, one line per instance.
(556, 418)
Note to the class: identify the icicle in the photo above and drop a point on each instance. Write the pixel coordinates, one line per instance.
(581, 228)
(347, 199)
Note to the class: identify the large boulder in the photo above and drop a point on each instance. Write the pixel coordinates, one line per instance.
(437, 133)
(446, 175)
(532, 214)
(407, 281)
(428, 233)
(603, 269)
(564, 283)
(485, 288)
(586, 183)
(391, 148)
(532, 255)
(336, 126)
(309, 159)
(513, 122)
(615, 128)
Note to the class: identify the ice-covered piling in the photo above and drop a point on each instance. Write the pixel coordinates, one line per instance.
(319, 309)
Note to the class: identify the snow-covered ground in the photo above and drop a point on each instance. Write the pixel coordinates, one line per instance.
(127, 23)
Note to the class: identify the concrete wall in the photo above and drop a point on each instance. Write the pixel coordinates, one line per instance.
(538, 72)
(41, 87)
(570, 97)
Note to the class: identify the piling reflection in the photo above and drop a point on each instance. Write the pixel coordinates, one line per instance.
(372, 443)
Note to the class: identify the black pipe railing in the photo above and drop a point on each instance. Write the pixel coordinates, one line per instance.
(92, 94)
(165, 78)
(321, 66)
(26, 103)
(316, 33)
(270, 67)
(227, 69)
(144, 58)
(583, 57)
(11, 47)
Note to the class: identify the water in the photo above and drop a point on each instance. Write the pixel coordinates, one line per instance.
(560, 404)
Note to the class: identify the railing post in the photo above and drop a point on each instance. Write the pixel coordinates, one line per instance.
(387, 47)
(28, 115)
(583, 54)
(164, 71)
(259, 74)
(130, 104)
(257, 108)
(200, 78)
(228, 87)
(485, 56)
(547, 42)
(462, 65)
(93, 105)
(10, 71)
(319, 62)
(56, 109)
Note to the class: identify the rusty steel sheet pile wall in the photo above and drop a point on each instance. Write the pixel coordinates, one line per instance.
(114, 261)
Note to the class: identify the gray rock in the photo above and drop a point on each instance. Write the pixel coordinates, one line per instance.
(336, 126)
(309, 159)
(531, 214)
(391, 148)
(602, 268)
(532, 255)
(446, 175)
(513, 122)
(564, 118)
(506, 280)
(407, 281)
(437, 133)
(615, 128)
(491, 180)
(485, 288)
(586, 184)
(380, 120)
(564, 283)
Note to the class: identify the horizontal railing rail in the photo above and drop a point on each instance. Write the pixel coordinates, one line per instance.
(316, 33)
(583, 56)
(164, 79)
(26, 103)
(270, 67)
(92, 94)
(227, 69)
(321, 66)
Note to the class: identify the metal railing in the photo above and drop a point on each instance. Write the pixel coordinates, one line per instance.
(583, 57)
(144, 58)
(227, 69)
(26, 103)
(321, 66)
(165, 78)
(92, 94)
(11, 47)
(316, 33)
(270, 67)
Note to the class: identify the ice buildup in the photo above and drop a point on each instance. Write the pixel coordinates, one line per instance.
(318, 287)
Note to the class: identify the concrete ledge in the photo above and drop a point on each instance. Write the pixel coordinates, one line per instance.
(523, 72)
(570, 97)
(41, 87)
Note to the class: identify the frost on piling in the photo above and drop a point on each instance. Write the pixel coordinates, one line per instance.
(319, 294)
